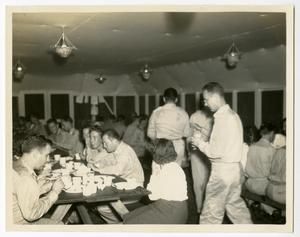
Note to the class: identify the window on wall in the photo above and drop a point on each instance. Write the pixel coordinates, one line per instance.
(82, 113)
(60, 105)
(15, 108)
(103, 110)
(272, 107)
(35, 104)
(246, 107)
(228, 98)
(190, 103)
(125, 105)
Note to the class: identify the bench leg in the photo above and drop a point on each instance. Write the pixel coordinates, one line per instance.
(119, 207)
(83, 213)
(60, 212)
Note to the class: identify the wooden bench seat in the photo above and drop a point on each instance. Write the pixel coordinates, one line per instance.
(262, 199)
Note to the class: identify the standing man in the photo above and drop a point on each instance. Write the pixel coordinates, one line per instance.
(33, 197)
(171, 122)
(224, 149)
(201, 125)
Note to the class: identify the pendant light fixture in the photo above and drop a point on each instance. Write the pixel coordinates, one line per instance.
(100, 79)
(145, 72)
(232, 56)
(18, 70)
(64, 46)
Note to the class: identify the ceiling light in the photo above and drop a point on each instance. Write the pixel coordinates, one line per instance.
(100, 79)
(146, 72)
(232, 56)
(18, 71)
(64, 46)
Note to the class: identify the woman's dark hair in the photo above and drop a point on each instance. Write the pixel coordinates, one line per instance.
(164, 152)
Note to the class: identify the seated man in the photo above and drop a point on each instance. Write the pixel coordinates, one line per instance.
(95, 155)
(137, 139)
(276, 189)
(72, 138)
(33, 197)
(125, 164)
(259, 161)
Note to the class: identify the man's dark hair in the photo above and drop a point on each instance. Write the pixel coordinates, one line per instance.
(266, 128)
(214, 87)
(111, 133)
(67, 119)
(34, 142)
(51, 120)
(170, 94)
(96, 128)
(143, 117)
(164, 151)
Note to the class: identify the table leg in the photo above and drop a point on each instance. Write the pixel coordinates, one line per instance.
(60, 212)
(83, 213)
(119, 207)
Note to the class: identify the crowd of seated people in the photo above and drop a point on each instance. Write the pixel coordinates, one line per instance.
(265, 169)
(166, 144)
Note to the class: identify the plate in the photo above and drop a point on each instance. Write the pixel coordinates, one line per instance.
(125, 185)
(73, 190)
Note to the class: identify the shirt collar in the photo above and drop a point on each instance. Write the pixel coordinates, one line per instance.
(119, 148)
(167, 105)
(223, 109)
(31, 171)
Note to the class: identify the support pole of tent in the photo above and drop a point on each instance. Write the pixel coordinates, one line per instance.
(48, 112)
(21, 104)
(257, 107)
(115, 104)
(137, 104)
(147, 104)
(71, 105)
(182, 100)
(197, 98)
(235, 101)
(284, 103)
(157, 100)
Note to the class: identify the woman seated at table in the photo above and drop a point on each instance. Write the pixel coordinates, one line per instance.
(168, 190)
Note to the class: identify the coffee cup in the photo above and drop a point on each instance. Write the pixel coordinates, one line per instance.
(56, 157)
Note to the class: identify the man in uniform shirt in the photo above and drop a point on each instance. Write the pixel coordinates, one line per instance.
(171, 122)
(95, 155)
(72, 137)
(125, 164)
(224, 148)
(29, 205)
(259, 160)
(201, 124)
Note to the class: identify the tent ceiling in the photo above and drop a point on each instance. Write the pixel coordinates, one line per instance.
(121, 42)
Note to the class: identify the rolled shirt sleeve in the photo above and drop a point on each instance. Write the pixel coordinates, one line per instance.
(31, 205)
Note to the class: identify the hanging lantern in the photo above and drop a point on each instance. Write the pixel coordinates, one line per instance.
(64, 46)
(232, 56)
(145, 72)
(100, 79)
(18, 71)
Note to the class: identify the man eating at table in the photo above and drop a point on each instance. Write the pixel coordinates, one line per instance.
(33, 197)
(126, 165)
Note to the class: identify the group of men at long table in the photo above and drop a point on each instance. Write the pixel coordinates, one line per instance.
(213, 146)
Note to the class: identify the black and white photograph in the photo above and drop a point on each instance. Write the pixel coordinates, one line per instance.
(148, 118)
